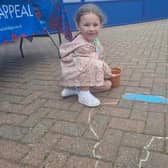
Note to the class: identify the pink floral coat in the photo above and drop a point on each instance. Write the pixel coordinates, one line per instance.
(82, 65)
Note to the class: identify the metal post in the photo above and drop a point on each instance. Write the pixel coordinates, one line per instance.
(55, 42)
(59, 36)
(21, 47)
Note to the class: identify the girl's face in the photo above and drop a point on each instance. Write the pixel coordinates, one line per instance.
(89, 26)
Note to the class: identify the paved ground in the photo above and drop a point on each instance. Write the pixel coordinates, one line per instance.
(38, 129)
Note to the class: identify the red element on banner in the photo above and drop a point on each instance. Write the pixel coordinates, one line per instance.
(14, 37)
(38, 14)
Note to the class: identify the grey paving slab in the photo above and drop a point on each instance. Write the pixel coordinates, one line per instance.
(39, 129)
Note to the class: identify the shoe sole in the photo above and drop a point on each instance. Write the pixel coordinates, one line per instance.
(64, 97)
(88, 105)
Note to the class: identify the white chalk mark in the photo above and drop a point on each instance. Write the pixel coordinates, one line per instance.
(147, 151)
(94, 132)
(90, 126)
(94, 151)
(112, 102)
(97, 137)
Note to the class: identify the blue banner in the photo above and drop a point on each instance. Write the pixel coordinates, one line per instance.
(17, 19)
(23, 18)
(53, 16)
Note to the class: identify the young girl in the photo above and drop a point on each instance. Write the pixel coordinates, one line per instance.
(83, 69)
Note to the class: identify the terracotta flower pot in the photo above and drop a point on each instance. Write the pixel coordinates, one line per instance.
(116, 73)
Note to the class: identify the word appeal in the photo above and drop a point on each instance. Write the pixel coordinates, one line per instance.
(15, 11)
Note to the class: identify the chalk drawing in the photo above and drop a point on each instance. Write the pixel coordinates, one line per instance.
(147, 151)
(145, 98)
(139, 97)
(97, 137)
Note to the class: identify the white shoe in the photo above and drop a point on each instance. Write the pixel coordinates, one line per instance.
(66, 92)
(87, 99)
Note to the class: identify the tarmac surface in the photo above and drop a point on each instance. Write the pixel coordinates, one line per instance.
(39, 129)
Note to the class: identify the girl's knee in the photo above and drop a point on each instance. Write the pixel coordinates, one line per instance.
(107, 84)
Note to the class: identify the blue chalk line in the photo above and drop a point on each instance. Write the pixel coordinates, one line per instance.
(145, 98)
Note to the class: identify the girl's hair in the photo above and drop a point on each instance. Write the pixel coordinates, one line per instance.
(89, 8)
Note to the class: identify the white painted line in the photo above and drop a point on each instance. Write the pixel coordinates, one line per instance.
(147, 151)
(97, 137)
